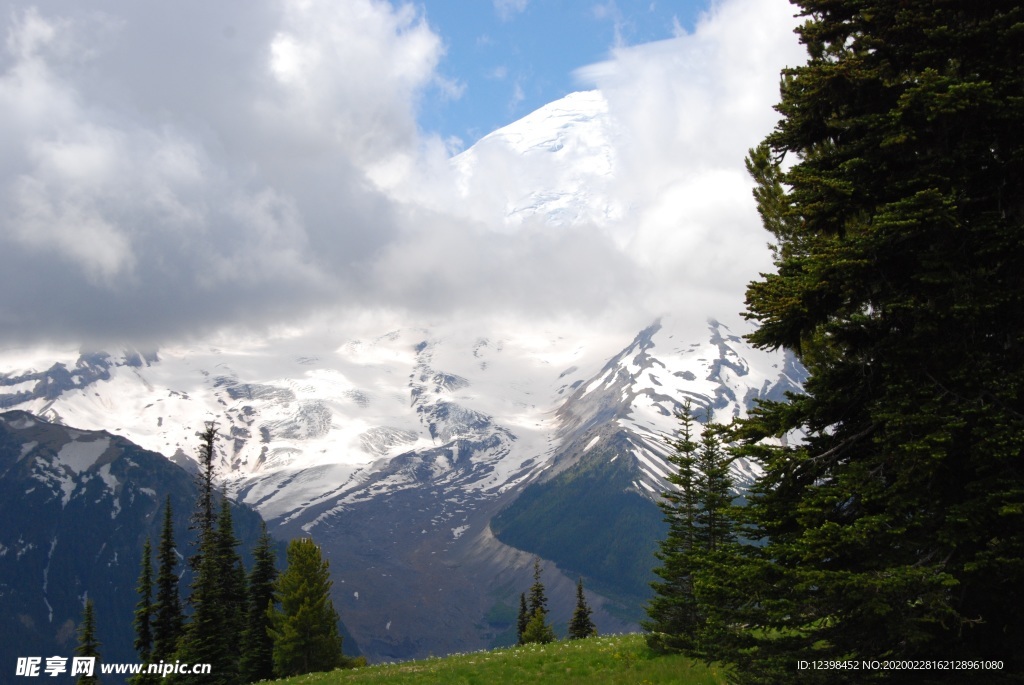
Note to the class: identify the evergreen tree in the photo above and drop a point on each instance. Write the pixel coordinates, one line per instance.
(716, 552)
(257, 644)
(537, 628)
(895, 528)
(687, 612)
(168, 621)
(88, 645)
(214, 633)
(305, 629)
(232, 586)
(715, 527)
(523, 619)
(144, 608)
(673, 614)
(538, 597)
(581, 625)
(203, 519)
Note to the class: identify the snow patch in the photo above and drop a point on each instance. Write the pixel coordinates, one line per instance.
(649, 465)
(111, 481)
(67, 487)
(79, 455)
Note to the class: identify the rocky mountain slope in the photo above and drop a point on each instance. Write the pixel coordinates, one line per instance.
(76, 508)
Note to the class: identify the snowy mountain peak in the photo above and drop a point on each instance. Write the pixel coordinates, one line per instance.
(639, 392)
(559, 162)
(578, 119)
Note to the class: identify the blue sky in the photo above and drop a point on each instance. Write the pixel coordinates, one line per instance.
(506, 58)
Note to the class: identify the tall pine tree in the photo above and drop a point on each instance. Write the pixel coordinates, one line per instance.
(522, 620)
(203, 518)
(144, 608)
(214, 633)
(168, 621)
(895, 528)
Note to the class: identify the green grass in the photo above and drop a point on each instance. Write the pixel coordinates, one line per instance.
(595, 661)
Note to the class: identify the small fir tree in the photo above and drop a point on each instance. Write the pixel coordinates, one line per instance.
(537, 628)
(538, 598)
(523, 619)
(715, 527)
(684, 614)
(581, 625)
(305, 629)
(88, 645)
(257, 645)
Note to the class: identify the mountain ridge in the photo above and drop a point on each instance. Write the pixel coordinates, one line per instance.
(77, 506)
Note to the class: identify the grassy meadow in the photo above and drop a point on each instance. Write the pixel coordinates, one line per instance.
(620, 659)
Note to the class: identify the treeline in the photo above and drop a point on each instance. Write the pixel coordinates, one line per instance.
(246, 626)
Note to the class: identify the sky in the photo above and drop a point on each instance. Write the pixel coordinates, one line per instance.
(169, 171)
(505, 58)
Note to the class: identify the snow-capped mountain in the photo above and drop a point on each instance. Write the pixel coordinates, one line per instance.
(641, 390)
(431, 459)
(558, 165)
(396, 452)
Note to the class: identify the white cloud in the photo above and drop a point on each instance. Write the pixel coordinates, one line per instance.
(273, 171)
(689, 109)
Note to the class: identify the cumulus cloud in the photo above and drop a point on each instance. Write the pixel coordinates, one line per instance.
(169, 171)
(166, 171)
(689, 109)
